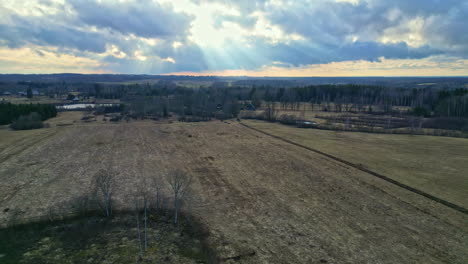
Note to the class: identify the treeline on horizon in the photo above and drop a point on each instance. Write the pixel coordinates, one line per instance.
(12, 112)
(423, 102)
(167, 96)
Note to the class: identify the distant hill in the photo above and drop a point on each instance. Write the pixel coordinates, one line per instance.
(406, 82)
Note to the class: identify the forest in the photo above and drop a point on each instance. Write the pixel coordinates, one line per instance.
(11, 112)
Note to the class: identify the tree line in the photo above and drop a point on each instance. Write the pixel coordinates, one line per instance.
(228, 101)
(11, 112)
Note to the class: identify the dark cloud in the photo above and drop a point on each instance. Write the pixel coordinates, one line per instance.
(302, 52)
(143, 18)
(39, 32)
(327, 22)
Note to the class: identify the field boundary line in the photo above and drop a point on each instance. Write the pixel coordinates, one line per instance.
(373, 173)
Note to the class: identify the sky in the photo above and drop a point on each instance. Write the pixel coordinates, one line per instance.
(236, 37)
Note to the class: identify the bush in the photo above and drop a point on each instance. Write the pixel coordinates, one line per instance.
(287, 119)
(31, 121)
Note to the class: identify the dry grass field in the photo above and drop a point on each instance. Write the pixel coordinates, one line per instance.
(253, 192)
(437, 165)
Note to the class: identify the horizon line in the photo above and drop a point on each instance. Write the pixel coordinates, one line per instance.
(238, 76)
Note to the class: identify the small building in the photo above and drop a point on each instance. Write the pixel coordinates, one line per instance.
(76, 99)
(6, 93)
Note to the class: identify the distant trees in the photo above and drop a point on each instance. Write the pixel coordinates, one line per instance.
(10, 112)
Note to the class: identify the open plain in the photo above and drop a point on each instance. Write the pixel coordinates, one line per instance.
(262, 199)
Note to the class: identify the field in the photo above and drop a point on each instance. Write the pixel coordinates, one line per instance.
(254, 193)
(436, 165)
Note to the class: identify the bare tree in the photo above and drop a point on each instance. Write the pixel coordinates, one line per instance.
(145, 205)
(137, 210)
(104, 182)
(180, 182)
(270, 112)
(158, 186)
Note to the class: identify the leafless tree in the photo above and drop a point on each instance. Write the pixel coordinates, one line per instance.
(270, 112)
(158, 187)
(180, 182)
(145, 205)
(137, 210)
(104, 182)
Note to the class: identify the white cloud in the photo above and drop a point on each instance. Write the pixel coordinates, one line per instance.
(46, 60)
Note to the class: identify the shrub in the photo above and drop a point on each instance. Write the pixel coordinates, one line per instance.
(287, 119)
(31, 121)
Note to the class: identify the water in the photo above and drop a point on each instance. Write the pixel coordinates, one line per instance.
(82, 106)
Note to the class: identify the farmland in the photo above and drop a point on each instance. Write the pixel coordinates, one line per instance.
(419, 161)
(253, 192)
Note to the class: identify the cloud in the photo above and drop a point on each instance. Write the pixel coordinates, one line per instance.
(144, 18)
(38, 32)
(431, 66)
(330, 22)
(49, 60)
(161, 36)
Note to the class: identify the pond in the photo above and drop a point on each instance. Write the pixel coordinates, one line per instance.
(83, 106)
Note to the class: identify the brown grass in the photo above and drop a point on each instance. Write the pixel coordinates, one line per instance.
(437, 165)
(253, 192)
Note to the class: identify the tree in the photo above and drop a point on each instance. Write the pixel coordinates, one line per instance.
(97, 90)
(157, 187)
(270, 112)
(29, 93)
(180, 183)
(104, 184)
(137, 210)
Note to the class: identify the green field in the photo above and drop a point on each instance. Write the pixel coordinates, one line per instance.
(436, 165)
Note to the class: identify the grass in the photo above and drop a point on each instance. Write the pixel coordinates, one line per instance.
(253, 193)
(98, 240)
(437, 165)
